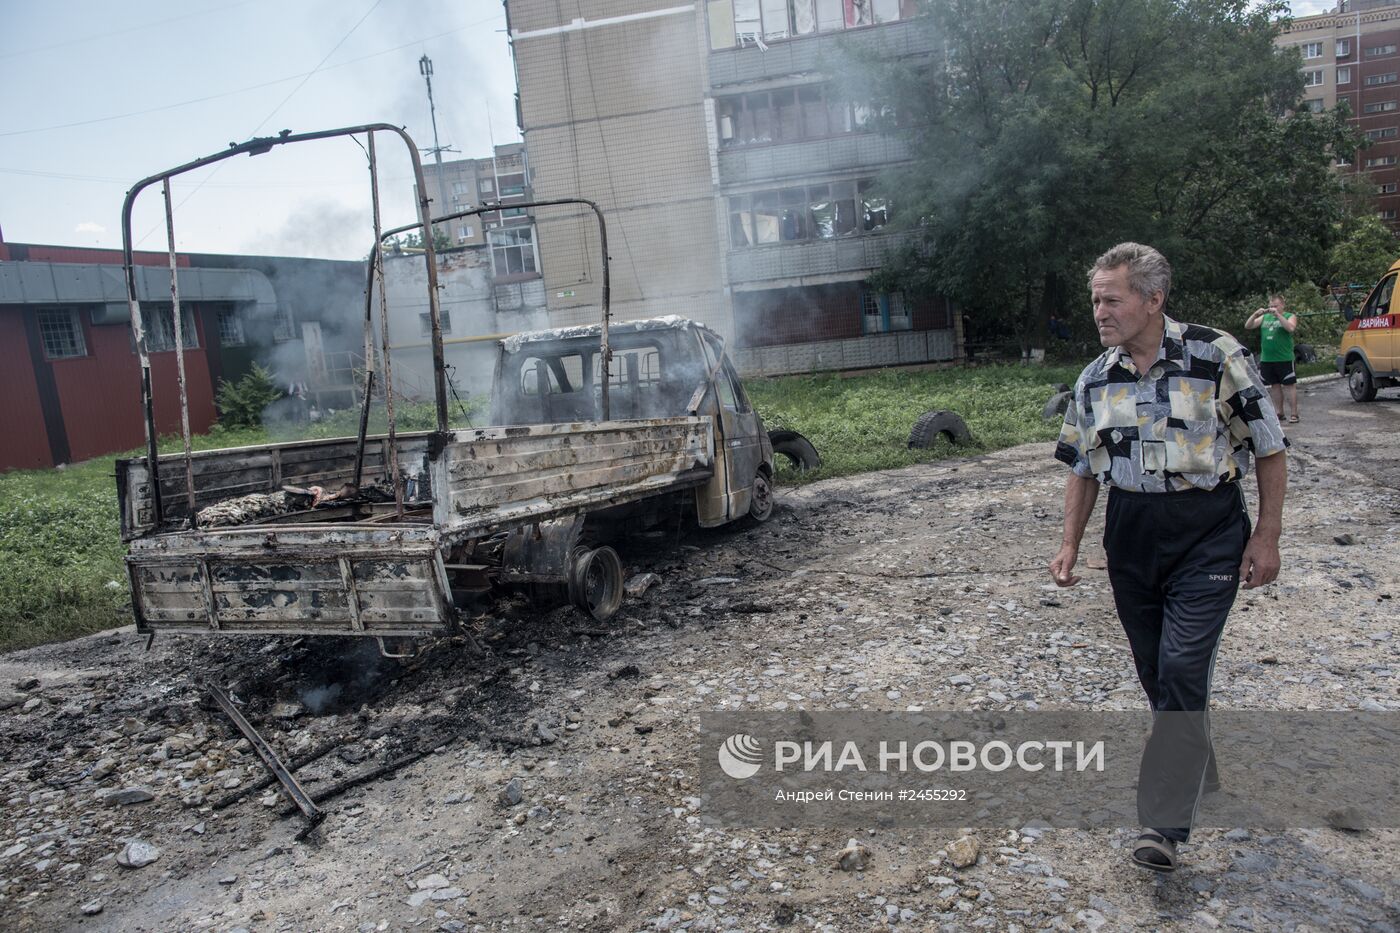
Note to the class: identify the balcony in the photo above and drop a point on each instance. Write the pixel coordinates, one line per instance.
(817, 53)
(812, 258)
(742, 165)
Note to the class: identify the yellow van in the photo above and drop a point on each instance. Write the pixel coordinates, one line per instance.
(1369, 355)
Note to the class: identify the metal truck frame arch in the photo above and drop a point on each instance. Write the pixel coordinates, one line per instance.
(253, 147)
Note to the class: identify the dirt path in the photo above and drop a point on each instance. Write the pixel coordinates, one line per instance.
(823, 608)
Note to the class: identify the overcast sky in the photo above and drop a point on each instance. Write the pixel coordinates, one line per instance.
(99, 95)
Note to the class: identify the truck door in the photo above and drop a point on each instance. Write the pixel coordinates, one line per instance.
(1378, 327)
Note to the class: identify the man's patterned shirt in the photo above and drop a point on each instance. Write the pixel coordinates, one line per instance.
(1192, 421)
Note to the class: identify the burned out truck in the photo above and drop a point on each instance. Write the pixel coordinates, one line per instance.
(597, 431)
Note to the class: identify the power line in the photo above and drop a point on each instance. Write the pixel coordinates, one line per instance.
(243, 90)
(120, 32)
(219, 166)
(108, 179)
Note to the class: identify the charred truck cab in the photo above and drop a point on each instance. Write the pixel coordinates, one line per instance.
(599, 431)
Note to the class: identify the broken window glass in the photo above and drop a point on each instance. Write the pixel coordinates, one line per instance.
(823, 212)
(740, 223)
(875, 210)
(775, 21)
(899, 312)
(804, 17)
(746, 22)
(858, 13)
(794, 219)
(843, 193)
(767, 216)
(813, 112)
(830, 15)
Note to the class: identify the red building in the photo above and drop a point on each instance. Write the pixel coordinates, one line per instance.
(70, 384)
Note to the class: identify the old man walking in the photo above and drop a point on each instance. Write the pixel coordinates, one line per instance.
(1169, 418)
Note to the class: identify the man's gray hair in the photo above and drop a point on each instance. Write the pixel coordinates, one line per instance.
(1148, 270)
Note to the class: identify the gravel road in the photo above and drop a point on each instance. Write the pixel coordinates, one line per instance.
(557, 783)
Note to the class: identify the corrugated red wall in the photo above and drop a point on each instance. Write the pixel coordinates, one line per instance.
(94, 401)
(24, 442)
(100, 394)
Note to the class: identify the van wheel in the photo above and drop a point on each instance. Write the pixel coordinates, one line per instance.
(1359, 381)
(595, 582)
(761, 503)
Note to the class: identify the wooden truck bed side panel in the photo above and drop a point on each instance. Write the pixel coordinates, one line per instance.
(505, 475)
(342, 579)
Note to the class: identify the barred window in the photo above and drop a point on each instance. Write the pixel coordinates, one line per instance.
(62, 333)
(425, 322)
(160, 329)
(230, 328)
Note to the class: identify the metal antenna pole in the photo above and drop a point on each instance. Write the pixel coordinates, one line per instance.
(425, 68)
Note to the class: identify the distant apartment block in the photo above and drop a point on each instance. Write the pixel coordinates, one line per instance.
(739, 184)
(1351, 55)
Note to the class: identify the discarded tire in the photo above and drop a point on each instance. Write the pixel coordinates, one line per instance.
(932, 424)
(1304, 353)
(796, 448)
(1055, 408)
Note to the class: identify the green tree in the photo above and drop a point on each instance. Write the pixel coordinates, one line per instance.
(1364, 252)
(241, 403)
(1044, 131)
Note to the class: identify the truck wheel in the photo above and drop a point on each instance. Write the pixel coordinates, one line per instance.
(1055, 408)
(796, 448)
(761, 503)
(931, 424)
(595, 582)
(1359, 381)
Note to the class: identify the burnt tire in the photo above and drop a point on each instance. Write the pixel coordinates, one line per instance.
(761, 500)
(796, 449)
(595, 582)
(933, 424)
(1055, 408)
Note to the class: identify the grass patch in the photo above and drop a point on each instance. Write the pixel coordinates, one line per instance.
(862, 423)
(1319, 368)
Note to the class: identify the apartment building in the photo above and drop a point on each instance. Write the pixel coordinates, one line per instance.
(467, 183)
(1353, 54)
(738, 182)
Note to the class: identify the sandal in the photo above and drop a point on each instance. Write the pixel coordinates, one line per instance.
(1292, 419)
(1152, 848)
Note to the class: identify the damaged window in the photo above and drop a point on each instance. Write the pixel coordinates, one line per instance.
(635, 366)
(759, 22)
(816, 212)
(551, 375)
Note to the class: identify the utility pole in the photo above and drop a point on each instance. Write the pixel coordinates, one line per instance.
(425, 68)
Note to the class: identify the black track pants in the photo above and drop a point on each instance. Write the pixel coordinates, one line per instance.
(1173, 562)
